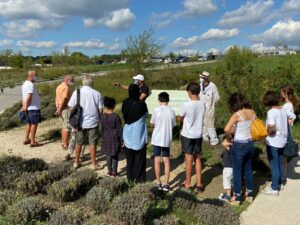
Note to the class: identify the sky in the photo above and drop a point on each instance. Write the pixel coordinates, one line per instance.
(96, 27)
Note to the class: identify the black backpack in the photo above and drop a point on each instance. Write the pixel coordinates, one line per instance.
(76, 114)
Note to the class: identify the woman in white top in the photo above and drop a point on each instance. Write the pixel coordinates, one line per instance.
(290, 102)
(242, 145)
(277, 128)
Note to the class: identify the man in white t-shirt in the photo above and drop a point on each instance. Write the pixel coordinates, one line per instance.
(92, 107)
(31, 106)
(192, 116)
(210, 95)
(163, 119)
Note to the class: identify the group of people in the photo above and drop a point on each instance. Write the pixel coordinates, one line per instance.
(239, 146)
(196, 118)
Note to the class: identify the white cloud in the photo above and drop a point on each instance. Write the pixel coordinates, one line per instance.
(260, 48)
(218, 34)
(119, 20)
(5, 43)
(285, 32)
(115, 47)
(36, 44)
(195, 8)
(90, 44)
(185, 42)
(250, 13)
(192, 9)
(291, 6)
(114, 14)
(27, 28)
(161, 24)
(189, 52)
(211, 35)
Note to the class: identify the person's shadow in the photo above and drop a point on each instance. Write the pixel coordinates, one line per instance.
(291, 172)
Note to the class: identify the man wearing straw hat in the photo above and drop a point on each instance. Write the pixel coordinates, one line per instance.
(210, 95)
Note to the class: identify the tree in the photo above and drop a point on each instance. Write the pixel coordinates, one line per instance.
(141, 49)
(78, 58)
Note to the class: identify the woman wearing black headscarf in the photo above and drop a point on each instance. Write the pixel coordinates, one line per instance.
(135, 134)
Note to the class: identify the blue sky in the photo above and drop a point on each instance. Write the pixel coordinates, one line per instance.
(97, 27)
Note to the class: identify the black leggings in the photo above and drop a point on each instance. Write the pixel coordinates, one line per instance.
(136, 165)
(112, 163)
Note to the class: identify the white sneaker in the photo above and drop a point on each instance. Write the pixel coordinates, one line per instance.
(269, 191)
(76, 165)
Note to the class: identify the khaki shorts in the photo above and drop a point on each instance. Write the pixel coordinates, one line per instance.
(64, 118)
(87, 136)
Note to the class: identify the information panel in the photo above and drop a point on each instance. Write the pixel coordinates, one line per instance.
(177, 98)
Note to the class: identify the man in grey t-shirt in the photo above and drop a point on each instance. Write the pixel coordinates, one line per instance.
(31, 106)
(92, 107)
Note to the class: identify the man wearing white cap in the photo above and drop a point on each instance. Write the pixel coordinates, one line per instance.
(210, 95)
(139, 81)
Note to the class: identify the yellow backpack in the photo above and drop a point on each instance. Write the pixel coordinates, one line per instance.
(258, 129)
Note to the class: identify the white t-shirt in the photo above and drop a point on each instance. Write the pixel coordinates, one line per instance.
(193, 122)
(164, 119)
(278, 117)
(290, 111)
(91, 102)
(29, 88)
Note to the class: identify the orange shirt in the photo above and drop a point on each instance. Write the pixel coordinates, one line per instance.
(62, 92)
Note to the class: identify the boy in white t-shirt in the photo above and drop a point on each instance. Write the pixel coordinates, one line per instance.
(192, 116)
(163, 119)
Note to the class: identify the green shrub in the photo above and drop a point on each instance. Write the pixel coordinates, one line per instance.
(167, 220)
(13, 167)
(7, 197)
(60, 171)
(208, 211)
(33, 183)
(183, 200)
(104, 219)
(27, 210)
(215, 212)
(38, 182)
(34, 164)
(69, 215)
(132, 208)
(148, 190)
(114, 185)
(72, 187)
(98, 198)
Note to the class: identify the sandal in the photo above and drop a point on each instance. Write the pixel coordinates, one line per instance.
(36, 144)
(189, 189)
(200, 189)
(27, 142)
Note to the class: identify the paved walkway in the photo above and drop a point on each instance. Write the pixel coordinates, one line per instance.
(281, 210)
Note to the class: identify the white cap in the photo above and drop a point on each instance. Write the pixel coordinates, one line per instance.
(139, 77)
(204, 74)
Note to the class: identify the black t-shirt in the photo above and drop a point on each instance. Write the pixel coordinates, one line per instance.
(227, 158)
(145, 90)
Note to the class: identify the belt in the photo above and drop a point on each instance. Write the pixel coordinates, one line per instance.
(243, 141)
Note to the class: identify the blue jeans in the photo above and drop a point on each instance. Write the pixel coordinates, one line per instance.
(276, 159)
(242, 154)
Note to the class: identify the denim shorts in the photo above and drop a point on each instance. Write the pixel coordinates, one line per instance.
(33, 116)
(161, 151)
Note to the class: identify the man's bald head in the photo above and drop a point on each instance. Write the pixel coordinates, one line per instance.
(68, 79)
(31, 75)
